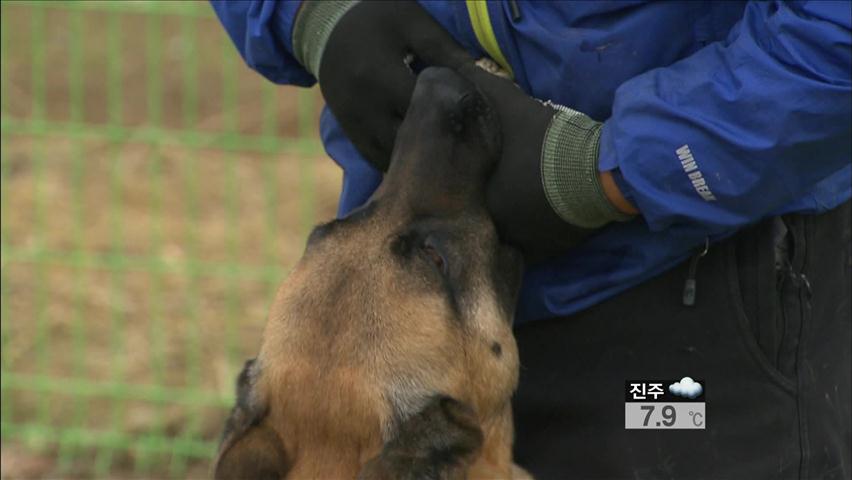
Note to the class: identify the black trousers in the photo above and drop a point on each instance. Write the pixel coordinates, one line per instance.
(772, 343)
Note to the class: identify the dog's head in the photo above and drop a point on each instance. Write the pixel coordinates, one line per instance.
(388, 350)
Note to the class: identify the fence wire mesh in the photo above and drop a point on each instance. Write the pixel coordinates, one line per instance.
(154, 193)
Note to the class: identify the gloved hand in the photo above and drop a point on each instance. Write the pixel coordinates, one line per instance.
(546, 193)
(365, 55)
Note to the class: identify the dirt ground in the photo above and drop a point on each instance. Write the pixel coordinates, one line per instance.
(125, 262)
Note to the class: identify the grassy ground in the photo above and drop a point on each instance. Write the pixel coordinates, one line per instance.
(136, 274)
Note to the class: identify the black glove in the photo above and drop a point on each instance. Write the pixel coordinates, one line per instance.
(545, 195)
(365, 55)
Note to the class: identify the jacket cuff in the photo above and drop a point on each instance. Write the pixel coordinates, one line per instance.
(314, 23)
(569, 171)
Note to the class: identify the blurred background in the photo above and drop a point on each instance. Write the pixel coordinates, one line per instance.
(155, 192)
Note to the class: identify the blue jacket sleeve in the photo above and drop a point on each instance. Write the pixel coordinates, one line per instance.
(742, 127)
(261, 31)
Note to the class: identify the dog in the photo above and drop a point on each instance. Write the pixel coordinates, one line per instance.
(388, 351)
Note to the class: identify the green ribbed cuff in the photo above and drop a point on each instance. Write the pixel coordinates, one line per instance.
(569, 171)
(314, 23)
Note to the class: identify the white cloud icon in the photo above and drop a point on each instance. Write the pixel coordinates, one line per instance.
(686, 387)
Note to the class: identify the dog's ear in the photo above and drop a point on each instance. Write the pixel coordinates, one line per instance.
(249, 449)
(441, 441)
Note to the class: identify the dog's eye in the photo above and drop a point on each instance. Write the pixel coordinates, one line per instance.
(435, 256)
(428, 248)
(433, 249)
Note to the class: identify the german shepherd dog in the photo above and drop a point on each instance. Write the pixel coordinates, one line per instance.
(388, 351)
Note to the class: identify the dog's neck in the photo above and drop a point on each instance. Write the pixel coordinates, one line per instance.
(336, 430)
(329, 423)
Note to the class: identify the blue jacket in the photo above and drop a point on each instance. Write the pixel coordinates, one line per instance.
(716, 115)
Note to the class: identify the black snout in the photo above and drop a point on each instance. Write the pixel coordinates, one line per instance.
(447, 145)
(461, 109)
(444, 152)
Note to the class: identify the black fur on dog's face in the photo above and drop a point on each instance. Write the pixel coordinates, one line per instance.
(388, 352)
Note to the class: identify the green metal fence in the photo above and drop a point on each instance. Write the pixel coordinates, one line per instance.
(154, 194)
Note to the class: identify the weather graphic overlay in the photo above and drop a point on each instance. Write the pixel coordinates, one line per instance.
(665, 404)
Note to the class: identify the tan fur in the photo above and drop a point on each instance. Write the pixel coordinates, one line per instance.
(357, 343)
(349, 328)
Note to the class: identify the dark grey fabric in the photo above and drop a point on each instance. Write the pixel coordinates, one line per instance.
(772, 345)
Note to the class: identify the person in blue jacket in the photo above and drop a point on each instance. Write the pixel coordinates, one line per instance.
(678, 176)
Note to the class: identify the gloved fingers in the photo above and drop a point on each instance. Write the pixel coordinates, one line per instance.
(523, 221)
(439, 49)
(384, 138)
(500, 91)
(508, 209)
(381, 118)
(372, 150)
(370, 101)
(397, 82)
(433, 45)
(523, 119)
(374, 137)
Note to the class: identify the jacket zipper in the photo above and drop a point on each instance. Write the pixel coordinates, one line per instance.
(516, 12)
(690, 287)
